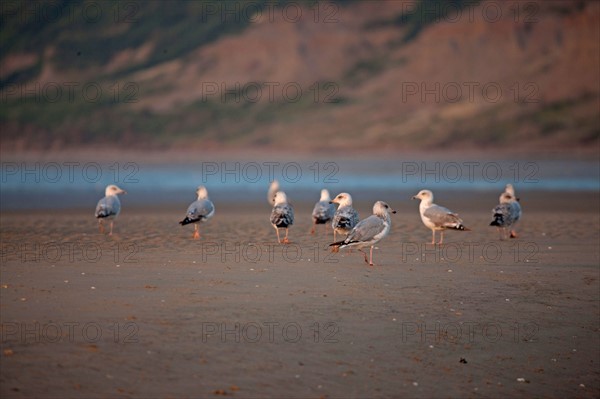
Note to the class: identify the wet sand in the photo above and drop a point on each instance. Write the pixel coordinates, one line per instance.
(150, 313)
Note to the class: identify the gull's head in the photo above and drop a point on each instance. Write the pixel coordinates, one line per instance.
(274, 186)
(202, 192)
(325, 195)
(382, 209)
(510, 189)
(279, 198)
(342, 199)
(113, 190)
(424, 195)
(506, 198)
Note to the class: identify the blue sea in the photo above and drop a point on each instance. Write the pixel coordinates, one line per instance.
(77, 184)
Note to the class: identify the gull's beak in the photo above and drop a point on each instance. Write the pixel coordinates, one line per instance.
(414, 197)
(331, 202)
(123, 192)
(393, 211)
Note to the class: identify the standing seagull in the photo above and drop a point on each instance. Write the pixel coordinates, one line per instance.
(200, 210)
(273, 188)
(346, 217)
(109, 207)
(369, 231)
(282, 215)
(511, 190)
(506, 214)
(437, 217)
(323, 211)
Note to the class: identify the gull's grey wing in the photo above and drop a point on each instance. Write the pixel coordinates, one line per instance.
(502, 216)
(515, 210)
(442, 217)
(282, 215)
(323, 211)
(366, 230)
(108, 206)
(506, 215)
(345, 218)
(199, 211)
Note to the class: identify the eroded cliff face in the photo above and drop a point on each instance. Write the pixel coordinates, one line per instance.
(396, 73)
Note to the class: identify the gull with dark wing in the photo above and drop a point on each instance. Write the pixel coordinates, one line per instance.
(369, 231)
(507, 213)
(109, 207)
(199, 211)
(323, 211)
(282, 215)
(436, 217)
(345, 217)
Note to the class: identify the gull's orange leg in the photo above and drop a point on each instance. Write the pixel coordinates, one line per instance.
(365, 255)
(277, 231)
(285, 240)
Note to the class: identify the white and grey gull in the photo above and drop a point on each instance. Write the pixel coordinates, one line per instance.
(199, 211)
(109, 207)
(282, 215)
(507, 213)
(345, 217)
(436, 217)
(323, 211)
(369, 231)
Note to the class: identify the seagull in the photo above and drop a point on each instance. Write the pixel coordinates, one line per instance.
(437, 217)
(282, 215)
(273, 188)
(346, 217)
(323, 211)
(109, 207)
(507, 213)
(200, 210)
(369, 231)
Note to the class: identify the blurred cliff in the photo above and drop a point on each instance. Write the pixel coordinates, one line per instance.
(304, 75)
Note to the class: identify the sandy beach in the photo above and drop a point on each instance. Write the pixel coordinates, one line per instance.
(150, 313)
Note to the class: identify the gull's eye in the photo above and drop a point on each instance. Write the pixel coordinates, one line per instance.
(386, 206)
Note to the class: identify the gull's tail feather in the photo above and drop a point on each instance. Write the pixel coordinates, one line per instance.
(188, 220)
(461, 227)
